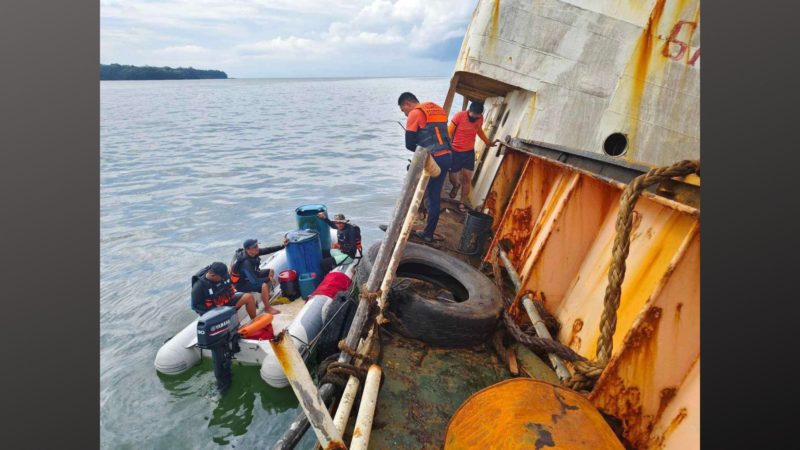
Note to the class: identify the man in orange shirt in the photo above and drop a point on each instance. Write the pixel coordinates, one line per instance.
(426, 126)
(463, 128)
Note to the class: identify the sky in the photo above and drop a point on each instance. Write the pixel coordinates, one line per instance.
(287, 38)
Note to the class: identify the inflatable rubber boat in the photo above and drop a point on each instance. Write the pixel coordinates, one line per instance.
(304, 319)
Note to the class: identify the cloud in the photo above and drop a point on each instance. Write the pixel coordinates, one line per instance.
(183, 50)
(290, 47)
(323, 33)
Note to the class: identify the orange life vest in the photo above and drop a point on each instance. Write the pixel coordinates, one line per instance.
(433, 135)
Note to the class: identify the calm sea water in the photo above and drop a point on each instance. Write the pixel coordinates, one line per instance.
(189, 169)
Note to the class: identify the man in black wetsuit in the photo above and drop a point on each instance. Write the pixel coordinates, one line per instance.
(347, 241)
(212, 288)
(246, 274)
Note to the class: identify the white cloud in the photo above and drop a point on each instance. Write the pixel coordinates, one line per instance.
(212, 32)
(291, 47)
(183, 50)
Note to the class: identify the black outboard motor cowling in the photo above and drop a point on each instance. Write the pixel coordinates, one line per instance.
(217, 330)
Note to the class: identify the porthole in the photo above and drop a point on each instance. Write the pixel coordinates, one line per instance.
(615, 144)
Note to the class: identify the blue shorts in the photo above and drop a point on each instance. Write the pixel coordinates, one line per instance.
(463, 160)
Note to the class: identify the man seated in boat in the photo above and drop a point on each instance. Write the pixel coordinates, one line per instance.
(212, 288)
(348, 242)
(247, 276)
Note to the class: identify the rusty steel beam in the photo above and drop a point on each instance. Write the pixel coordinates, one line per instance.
(303, 386)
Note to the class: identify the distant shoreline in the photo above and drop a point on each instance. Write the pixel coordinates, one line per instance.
(112, 72)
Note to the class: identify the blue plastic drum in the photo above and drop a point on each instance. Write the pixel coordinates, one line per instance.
(304, 255)
(307, 219)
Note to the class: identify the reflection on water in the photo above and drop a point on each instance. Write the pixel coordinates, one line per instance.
(232, 412)
(189, 169)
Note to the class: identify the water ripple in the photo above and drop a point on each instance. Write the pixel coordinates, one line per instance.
(189, 169)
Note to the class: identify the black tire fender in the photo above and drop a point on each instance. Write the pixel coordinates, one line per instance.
(441, 323)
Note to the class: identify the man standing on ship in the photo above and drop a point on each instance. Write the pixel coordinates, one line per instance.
(426, 126)
(463, 128)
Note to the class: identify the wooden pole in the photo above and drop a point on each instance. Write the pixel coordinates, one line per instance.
(451, 93)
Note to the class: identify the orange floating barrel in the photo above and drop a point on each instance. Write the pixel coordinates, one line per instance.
(527, 413)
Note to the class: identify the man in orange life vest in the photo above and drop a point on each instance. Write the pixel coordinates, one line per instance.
(463, 128)
(426, 127)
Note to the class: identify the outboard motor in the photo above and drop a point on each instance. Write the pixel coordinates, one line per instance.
(217, 330)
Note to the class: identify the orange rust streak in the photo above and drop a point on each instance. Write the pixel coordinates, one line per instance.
(281, 353)
(641, 62)
(654, 361)
(642, 279)
(539, 193)
(623, 398)
(673, 425)
(503, 185)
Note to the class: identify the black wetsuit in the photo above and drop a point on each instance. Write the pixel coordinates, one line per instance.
(245, 270)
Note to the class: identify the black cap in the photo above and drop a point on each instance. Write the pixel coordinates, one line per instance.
(475, 107)
(249, 243)
(219, 268)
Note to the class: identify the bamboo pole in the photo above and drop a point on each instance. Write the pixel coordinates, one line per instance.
(366, 410)
(400, 245)
(350, 390)
(346, 404)
(533, 314)
(300, 425)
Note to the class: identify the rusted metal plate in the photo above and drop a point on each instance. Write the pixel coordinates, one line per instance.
(679, 425)
(657, 236)
(503, 186)
(555, 254)
(539, 184)
(657, 355)
(565, 253)
(527, 413)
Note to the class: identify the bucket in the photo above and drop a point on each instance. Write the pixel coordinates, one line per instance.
(304, 254)
(306, 217)
(308, 282)
(476, 227)
(289, 286)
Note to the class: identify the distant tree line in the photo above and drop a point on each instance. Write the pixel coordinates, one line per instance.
(124, 72)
